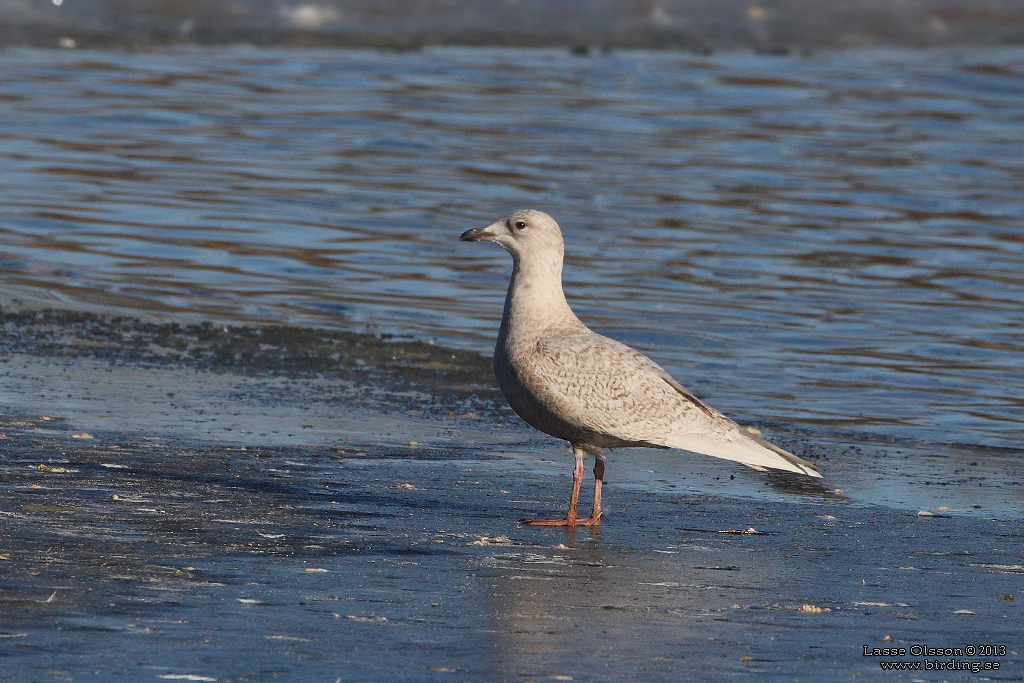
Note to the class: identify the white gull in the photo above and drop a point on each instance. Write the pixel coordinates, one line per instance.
(589, 390)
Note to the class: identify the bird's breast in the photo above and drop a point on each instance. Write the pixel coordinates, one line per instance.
(514, 379)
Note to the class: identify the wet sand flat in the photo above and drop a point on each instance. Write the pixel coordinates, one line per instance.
(143, 559)
(137, 544)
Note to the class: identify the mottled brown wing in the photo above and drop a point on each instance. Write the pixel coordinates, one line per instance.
(603, 385)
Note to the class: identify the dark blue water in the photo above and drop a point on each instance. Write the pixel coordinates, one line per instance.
(834, 244)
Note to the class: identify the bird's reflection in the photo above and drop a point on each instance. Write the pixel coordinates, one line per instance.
(588, 592)
(785, 482)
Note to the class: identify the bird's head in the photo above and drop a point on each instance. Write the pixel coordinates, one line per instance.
(525, 234)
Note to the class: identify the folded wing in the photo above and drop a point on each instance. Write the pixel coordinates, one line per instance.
(604, 386)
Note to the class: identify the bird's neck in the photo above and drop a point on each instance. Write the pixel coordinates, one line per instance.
(535, 302)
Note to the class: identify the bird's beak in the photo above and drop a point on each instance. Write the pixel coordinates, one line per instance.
(480, 234)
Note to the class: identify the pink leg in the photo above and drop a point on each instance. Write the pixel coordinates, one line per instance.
(577, 478)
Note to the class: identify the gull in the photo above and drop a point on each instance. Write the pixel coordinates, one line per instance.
(591, 391)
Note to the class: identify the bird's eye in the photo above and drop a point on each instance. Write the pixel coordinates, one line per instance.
(520, 225)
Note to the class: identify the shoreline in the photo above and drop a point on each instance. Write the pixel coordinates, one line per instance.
(172, 514)
(138, 558)
(291, 386)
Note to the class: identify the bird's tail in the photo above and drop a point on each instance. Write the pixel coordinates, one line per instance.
(743, 447)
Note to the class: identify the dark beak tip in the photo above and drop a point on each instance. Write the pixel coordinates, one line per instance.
(472, 235)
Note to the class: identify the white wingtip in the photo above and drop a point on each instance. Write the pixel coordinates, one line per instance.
(747, 449)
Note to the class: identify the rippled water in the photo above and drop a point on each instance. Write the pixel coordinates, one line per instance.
(833, 243)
